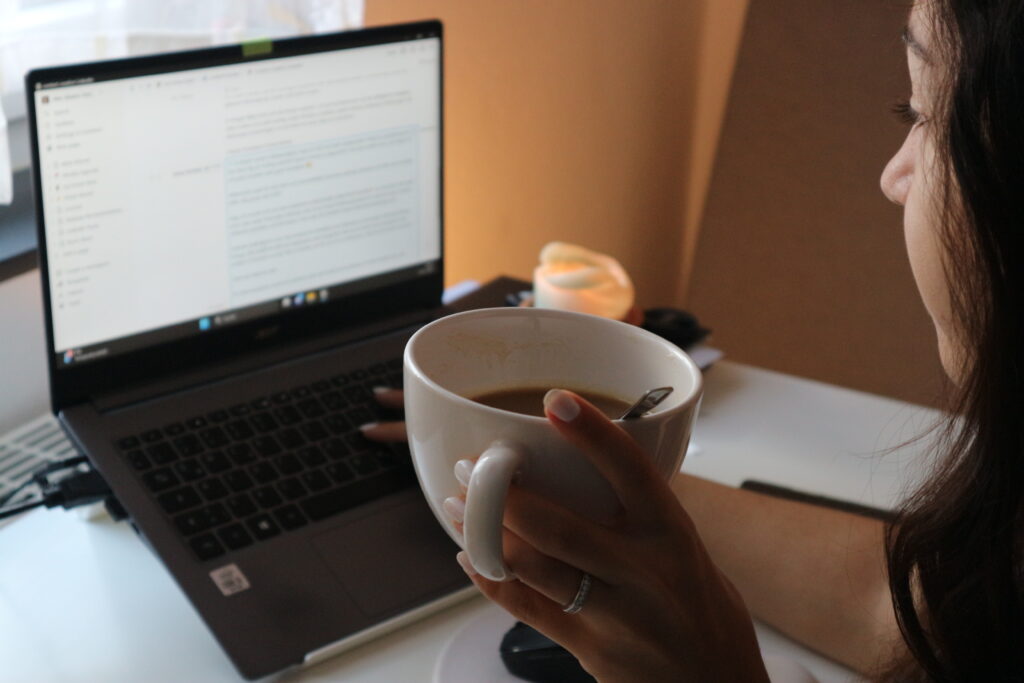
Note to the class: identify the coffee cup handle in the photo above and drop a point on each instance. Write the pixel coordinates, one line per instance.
(485, 508)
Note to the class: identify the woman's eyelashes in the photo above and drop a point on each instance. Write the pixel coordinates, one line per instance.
(906, 114)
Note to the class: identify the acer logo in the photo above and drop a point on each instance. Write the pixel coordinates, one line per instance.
(267, 332)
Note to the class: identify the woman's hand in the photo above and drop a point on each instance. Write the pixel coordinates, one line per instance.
(391, 399)
(658, 609)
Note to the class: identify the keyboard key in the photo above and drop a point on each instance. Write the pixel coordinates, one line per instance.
(174, 429)
(188, 445)
(357, 443)
(193, 522)
(260, 404)
(340, 472)
(263, 422)
(214, 437)
(215, 461)
(288, 415)
(241, 505)
(239, 410)
(235, 536)
(359, 375)
(385, 458)
(160, 480)
(152, 436)
(189, 470)
(206, 547)
(290, 438)
(314, 430)
(239, 430)
(378, 369)
(334, 401)
(161, 453)
(266, 446)
(287, 464)
(291, 488)
(316, 480)
(217, 515)
(320, 386)
(311, 408)
(218, 416)
(312, 456)
(282, 397)
(300, 392)
(241, 453)
(335, 448)
(178, 500)
(237, 480)
(340, 380)
(212, 489)
(359, 416)
(363, 464)
(331, 502)
(138, 460)
(289, 517)
(262, 526)
(263, 472)
(127, 443)
(338, 424)
(357, 394)
(197, 422)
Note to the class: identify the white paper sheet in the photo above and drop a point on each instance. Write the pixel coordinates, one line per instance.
(5, 162)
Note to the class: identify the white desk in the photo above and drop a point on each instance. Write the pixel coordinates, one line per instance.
(86, 601)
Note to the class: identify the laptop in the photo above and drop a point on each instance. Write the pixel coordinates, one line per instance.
(235, 244)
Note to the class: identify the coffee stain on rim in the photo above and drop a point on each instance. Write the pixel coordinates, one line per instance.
(496, 349)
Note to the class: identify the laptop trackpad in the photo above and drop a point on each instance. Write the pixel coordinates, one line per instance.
(390, 560)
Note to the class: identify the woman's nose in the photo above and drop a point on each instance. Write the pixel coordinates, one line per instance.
(898, 174)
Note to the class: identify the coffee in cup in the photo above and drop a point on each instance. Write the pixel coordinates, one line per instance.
(466, 356)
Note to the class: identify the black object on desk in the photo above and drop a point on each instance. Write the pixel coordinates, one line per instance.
(532, 656)
(815, 499)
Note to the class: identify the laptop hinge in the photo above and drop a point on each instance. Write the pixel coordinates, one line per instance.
(261, 360)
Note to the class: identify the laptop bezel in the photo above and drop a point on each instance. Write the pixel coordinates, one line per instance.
(78, 382)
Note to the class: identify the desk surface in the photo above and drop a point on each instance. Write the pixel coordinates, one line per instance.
(85, 600)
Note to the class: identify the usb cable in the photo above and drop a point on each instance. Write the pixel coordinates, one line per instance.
(82, 486)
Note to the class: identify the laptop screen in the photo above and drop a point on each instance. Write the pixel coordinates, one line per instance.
(180, 202)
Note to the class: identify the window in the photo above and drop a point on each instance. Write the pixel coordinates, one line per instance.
(36, 33)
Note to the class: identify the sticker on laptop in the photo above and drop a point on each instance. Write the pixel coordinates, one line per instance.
(229, 579)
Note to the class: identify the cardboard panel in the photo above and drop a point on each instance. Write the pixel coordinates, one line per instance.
(801, 265)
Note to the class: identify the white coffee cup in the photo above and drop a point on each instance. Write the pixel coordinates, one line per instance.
(469, 354)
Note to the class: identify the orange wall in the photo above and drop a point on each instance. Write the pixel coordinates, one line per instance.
(579, 120)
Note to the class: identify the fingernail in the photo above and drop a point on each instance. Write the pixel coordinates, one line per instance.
(463, 559)
(368, 426)
(463, 470)
(455, 507)
(381, 390)
(561, 405)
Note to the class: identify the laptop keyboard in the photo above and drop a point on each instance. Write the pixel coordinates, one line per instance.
(246, 473)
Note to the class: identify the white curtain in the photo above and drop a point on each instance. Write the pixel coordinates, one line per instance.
(36, 33)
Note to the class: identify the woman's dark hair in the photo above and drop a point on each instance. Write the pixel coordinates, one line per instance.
(955, 562)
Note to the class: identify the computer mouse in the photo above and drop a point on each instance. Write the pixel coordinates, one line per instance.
(532, 656)
(677, 326)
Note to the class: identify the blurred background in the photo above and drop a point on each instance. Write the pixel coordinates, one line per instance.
(727, 152)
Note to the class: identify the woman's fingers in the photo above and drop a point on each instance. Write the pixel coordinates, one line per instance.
(561, 534)
(629, 470)
(527, 605)
(385, 431)
(554, 579)
(393, 399)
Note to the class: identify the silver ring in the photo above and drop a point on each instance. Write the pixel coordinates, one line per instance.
(581, 595)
